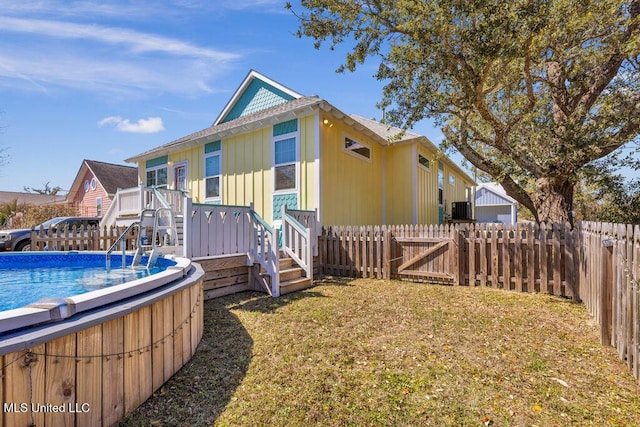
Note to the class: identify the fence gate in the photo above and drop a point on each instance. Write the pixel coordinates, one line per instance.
(427, 253)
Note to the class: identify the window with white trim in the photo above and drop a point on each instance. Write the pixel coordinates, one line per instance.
(440, 186)
(452, 179)
(356, 148)
(285, 149)
(423, 161)
(213, 172)
(98, 206)
(157, 176)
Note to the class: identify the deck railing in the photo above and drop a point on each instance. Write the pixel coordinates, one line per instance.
(308, 219)
(264, 249)
(131, 201)
(297, 241)
(218, 230)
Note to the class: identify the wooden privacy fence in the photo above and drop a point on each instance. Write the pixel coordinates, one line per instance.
(528, 257)
(83, 238)
(609, 270)
(596, 263)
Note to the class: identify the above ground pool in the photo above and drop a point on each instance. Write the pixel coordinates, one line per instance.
(37, 287)
(28, 278)
(88, 345)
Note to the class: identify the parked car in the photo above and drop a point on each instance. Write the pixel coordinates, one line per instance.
(20, 239)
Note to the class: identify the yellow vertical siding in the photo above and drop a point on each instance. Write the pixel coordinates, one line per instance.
(427, 189)
(454, 193)
(351, 188)
(399, 189)
(195, 170)
(247, 162)
(308, 163)
(246, 171)
(194, 159)
(391, 187)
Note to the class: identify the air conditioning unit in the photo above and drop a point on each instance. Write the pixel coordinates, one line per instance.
(461, 210)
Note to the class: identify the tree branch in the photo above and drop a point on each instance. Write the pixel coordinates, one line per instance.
(512, 188)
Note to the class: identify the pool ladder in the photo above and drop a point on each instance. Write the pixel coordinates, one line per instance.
(164, 233)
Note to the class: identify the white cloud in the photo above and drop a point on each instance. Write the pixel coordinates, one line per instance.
(135, 41)
(140, 10)
(150, 125)
(41, 54)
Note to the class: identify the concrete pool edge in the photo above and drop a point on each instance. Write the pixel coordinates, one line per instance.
(57, 309)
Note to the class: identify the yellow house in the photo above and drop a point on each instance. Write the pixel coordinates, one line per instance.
(273, 146)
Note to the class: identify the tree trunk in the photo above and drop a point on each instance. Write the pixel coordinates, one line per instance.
(553, 200)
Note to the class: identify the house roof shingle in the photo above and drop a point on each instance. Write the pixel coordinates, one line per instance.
(113, 176)
(380, 132)
(387, 132)
(241, 124)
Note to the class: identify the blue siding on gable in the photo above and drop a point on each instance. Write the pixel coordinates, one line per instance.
(280, 200)
(257, 96)
(212, 146)
(485, 197)
(157, 162)
(285, 127)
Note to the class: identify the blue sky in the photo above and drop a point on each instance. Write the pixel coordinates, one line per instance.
(105, 80)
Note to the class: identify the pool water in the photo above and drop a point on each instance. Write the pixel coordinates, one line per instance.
(25, 279)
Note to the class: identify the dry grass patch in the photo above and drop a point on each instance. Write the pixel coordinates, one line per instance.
(370, 352)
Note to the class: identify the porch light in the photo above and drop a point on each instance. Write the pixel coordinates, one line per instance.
(327, 122)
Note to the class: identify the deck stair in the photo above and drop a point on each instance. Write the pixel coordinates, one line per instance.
(292, 276)
(279, 258)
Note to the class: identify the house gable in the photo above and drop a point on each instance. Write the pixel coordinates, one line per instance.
(487, 196)
(350, 168)
(95, 184)
(256, 93)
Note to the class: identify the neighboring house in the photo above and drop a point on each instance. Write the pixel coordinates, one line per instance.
(30, 198)
(21, 199)
(494, 205)
(95, 185)
(273, 146)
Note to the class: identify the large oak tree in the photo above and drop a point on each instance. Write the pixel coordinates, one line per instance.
(529, 91)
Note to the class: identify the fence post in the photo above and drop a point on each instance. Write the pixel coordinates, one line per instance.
(606, 284)
(386, 251)
(187, 227)
(455, 253)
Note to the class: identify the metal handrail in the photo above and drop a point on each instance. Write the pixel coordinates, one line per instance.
(122, 241)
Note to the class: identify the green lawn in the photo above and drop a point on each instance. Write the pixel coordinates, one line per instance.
(371, 352)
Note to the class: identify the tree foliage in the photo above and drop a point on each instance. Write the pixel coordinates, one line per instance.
(604, 195)
(47, 189)
(32, 215)
(7, 211)
(529, 91)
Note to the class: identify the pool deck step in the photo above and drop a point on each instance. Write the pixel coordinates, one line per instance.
(295, 285)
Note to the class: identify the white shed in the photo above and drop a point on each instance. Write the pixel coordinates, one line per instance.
(492, 204)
